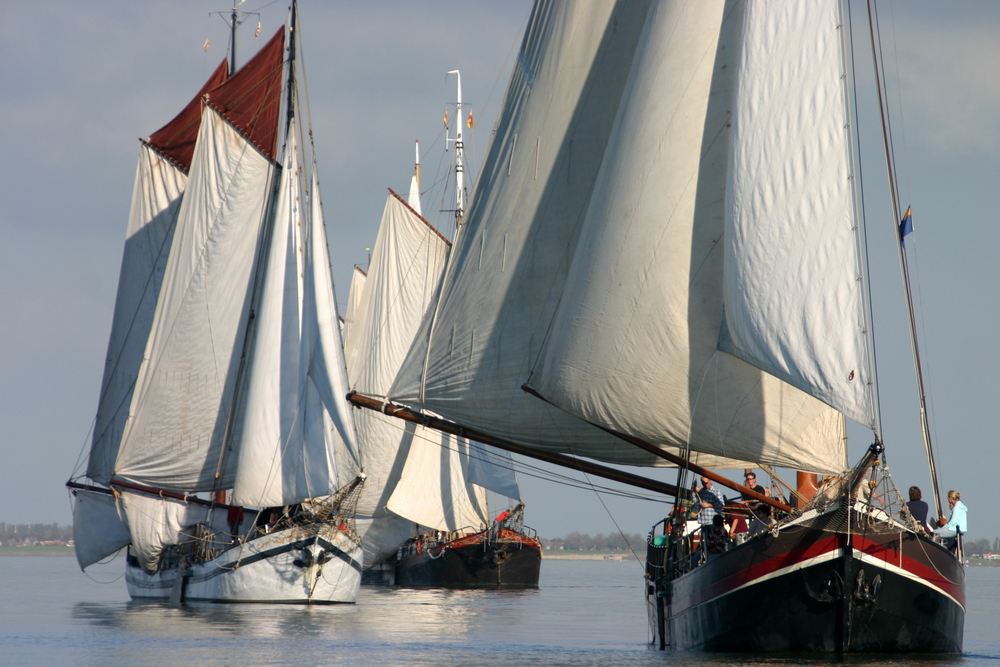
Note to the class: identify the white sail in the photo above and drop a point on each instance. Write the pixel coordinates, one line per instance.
(433, 488)
(295, 413)
(358, 278)
(793, 293)
(156, 198)
(634, 345)
(183, 397)
(98, 530)
(155, 523)
(408, 260)
(492, 469)
(509, 265)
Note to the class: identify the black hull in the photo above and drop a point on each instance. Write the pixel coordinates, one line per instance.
(814, 590)
(498, 564)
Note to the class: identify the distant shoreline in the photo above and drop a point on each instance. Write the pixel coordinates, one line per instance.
(37, 551)
(585, 555)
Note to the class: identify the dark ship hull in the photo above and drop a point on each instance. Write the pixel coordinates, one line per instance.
(823, 585)
(489, 559)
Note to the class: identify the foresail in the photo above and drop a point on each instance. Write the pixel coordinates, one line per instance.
(793, 292)
(633, 346)
(183, 396)
(509, 264)
(156, 523)
(295, 418)
(407, 262)
(98, 530)
(160, 179)
(433, 488)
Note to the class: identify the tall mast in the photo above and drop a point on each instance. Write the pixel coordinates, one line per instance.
(898, 219)
(233, 22)
(413, 198)
(459, 156)
(416, 163)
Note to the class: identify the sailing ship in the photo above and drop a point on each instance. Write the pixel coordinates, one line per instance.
(225, 373)
(425, 489)
(663, 264)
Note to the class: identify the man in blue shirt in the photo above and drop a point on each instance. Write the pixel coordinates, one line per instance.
(958, 522)
(712, 501)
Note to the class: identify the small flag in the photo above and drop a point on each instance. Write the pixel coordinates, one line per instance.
(208, 43)
(905, 226)
(469, 121)
(446, 117)
(256, 33)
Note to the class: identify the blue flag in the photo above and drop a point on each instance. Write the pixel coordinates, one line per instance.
(905, 226)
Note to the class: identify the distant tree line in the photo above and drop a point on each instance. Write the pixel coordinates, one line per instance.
(982, 546)
(601, 542)
(29, 533)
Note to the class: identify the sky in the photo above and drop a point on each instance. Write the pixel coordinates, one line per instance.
(81, 82)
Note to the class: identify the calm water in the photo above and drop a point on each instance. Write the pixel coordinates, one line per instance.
(585, 613)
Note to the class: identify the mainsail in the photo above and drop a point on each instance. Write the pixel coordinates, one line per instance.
(508, 268)
(415, 475)
(160, 179)
(592, 267)
(687, 246)
(183, 405)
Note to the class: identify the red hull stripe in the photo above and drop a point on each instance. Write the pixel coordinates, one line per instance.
(821, 551)
(890, 557)
(796, 559)
(477, 538)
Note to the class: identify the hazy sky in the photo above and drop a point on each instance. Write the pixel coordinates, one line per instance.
(82, 81)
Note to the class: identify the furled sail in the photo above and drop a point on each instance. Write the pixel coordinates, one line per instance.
(184, 391)
(156, 523)
(295, 418)
(509, 264)
(634, 345)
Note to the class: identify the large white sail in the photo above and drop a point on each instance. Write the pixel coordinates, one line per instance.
(793, 291)
(184, 391)
(408, 261)
(295, 414)
(160, 180)
(182, 405)
(509, 264)
(634, 345)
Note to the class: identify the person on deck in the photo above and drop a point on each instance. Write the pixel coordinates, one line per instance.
(750, 481)
(716, 537)
(918, 508)
(957, 524)
(712, 502)
(761, 520)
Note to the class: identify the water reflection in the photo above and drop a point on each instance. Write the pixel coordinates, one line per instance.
(585, 613)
